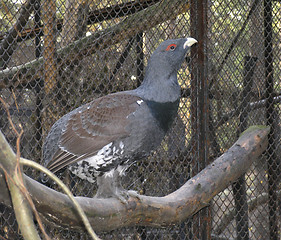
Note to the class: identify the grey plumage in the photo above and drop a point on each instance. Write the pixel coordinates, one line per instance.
(104, 137)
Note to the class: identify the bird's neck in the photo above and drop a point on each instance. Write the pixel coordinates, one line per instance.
(159, 88)
(164, 113)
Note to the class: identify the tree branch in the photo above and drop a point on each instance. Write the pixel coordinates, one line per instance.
(8, 161)
(129, 27)
(9, 43)
(95, 16)
(252, 106)
(109, 214)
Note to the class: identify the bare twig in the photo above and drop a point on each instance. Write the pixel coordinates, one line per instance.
(19, 193)
(9, 116)
(67, 192)
(27, 196)
(2, 238)
(17, 180)
(20, 205)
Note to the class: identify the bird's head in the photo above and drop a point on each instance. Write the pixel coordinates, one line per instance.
(170, 54)
(161, 72)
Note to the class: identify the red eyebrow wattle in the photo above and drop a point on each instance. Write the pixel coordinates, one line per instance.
(169, 47)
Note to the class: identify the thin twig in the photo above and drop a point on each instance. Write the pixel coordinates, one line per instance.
(18, 172)
(67, 192)
(21, 186)
(28, 198)
(2, 238)
(9, 116)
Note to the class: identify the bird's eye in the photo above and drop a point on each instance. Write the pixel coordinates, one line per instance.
(171, 47)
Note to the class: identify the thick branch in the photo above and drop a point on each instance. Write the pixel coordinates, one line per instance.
(109, 214)
(95, 16)
(9, 44)
(160, 12)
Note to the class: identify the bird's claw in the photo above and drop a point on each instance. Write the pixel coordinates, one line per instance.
(133, 194)
(125, 195)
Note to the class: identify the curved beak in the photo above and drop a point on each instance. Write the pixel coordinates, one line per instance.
(189, 42)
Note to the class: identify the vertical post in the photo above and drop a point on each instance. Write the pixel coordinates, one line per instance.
(37, 19)
(140, 67)
(205, 216)
(239, 187)
(199, 104)
(249, 67)
(194, 223)
(140, 58)
(272, 160)
(49, 29)
(193, 83)
(40, 83)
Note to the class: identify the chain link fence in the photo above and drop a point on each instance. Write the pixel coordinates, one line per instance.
(58, 54)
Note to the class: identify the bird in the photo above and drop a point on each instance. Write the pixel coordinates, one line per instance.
(100, 140)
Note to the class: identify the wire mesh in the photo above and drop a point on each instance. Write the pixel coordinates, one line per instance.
(49, 66)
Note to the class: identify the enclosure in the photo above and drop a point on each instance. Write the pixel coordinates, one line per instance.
(58, 54)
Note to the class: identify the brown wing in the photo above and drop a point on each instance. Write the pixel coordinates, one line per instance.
(93, 126)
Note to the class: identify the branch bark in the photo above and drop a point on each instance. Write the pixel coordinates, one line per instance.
(195, 194)
(160, 12)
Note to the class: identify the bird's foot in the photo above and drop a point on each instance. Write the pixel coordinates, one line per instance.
(134, 194)
(121, 194)
(125, 195)
(110, 187)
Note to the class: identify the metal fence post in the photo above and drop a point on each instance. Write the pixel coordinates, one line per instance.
(199, 102)
(272, 160)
